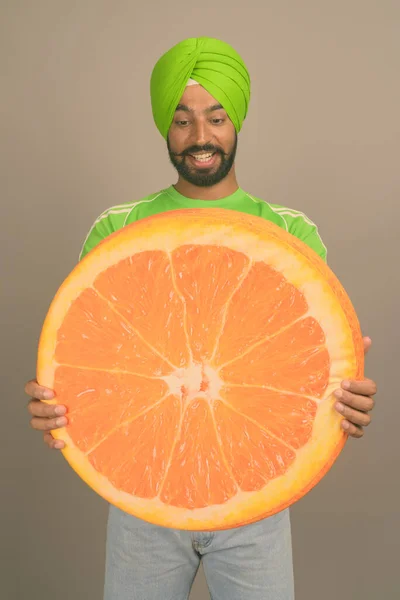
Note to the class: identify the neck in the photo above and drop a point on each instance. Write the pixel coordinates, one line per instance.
(224, 188)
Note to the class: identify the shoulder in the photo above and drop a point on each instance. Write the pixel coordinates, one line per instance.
(111, 220)
(300, 225)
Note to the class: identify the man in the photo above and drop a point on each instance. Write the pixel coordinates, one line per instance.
(200, 90)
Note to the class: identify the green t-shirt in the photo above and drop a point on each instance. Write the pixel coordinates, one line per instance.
(118, 216)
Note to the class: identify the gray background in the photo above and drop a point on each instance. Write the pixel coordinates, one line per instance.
(322, 136)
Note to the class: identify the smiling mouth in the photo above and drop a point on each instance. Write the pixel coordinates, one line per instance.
(204, 159)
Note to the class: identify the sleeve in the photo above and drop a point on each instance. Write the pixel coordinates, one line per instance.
(303, 228)
(101, 228)
(314, 241)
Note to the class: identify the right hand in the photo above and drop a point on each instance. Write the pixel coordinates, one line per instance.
(45, 417)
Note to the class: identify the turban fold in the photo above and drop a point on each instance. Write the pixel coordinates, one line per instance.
(213, 64)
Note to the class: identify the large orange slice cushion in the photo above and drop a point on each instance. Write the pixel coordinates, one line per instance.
(197, 352)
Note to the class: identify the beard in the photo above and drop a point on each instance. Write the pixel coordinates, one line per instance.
(203, 177)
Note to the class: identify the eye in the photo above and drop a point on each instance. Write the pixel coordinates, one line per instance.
(217, 121)
(182, 123)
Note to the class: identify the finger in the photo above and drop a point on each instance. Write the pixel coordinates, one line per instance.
(367, 387)
(364, 403)
(352, 430)
(32, 388)
(367, 344)
(52, 443)
(41, 424)
(353, 416)
(37, 408)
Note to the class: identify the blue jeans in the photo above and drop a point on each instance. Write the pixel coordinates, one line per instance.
(148, 562)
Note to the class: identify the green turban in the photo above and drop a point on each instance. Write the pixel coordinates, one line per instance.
(213, 64)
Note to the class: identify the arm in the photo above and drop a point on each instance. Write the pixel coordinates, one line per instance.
(354, 398)
(45, 417)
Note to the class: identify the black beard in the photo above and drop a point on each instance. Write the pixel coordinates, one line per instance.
(203, 177)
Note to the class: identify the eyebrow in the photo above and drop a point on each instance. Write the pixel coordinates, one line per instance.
(210, 109)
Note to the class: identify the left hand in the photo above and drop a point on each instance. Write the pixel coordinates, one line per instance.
(354, 402)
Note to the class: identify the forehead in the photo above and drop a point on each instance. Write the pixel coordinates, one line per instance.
(197, 98)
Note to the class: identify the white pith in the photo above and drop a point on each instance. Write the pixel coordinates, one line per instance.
(196, 381)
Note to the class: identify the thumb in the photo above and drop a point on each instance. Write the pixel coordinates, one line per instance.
(367, 344)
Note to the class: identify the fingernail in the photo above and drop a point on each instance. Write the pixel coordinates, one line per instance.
(48, 395)
(345, 425)
(60, 410)
(339, 406)
(61, 421)
(346, 385)
(338, 393)
(58, 445)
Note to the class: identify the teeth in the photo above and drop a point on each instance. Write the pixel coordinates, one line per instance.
(203, 157)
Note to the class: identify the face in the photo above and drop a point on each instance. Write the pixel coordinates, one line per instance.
(202, 140)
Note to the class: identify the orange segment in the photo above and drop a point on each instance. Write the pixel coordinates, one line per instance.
(296, 360)
(289, 417)
(96, 401)
(143, 447)
(255, 455)
(198, 475)
(94, 335)
(206, 277)
(142, 289)
(264, 303)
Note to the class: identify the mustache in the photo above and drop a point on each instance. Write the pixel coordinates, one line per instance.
(199, 149)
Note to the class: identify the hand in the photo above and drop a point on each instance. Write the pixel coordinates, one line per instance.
(45, 416)
(355, 402)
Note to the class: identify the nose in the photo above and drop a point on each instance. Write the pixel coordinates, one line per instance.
(202, 134)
